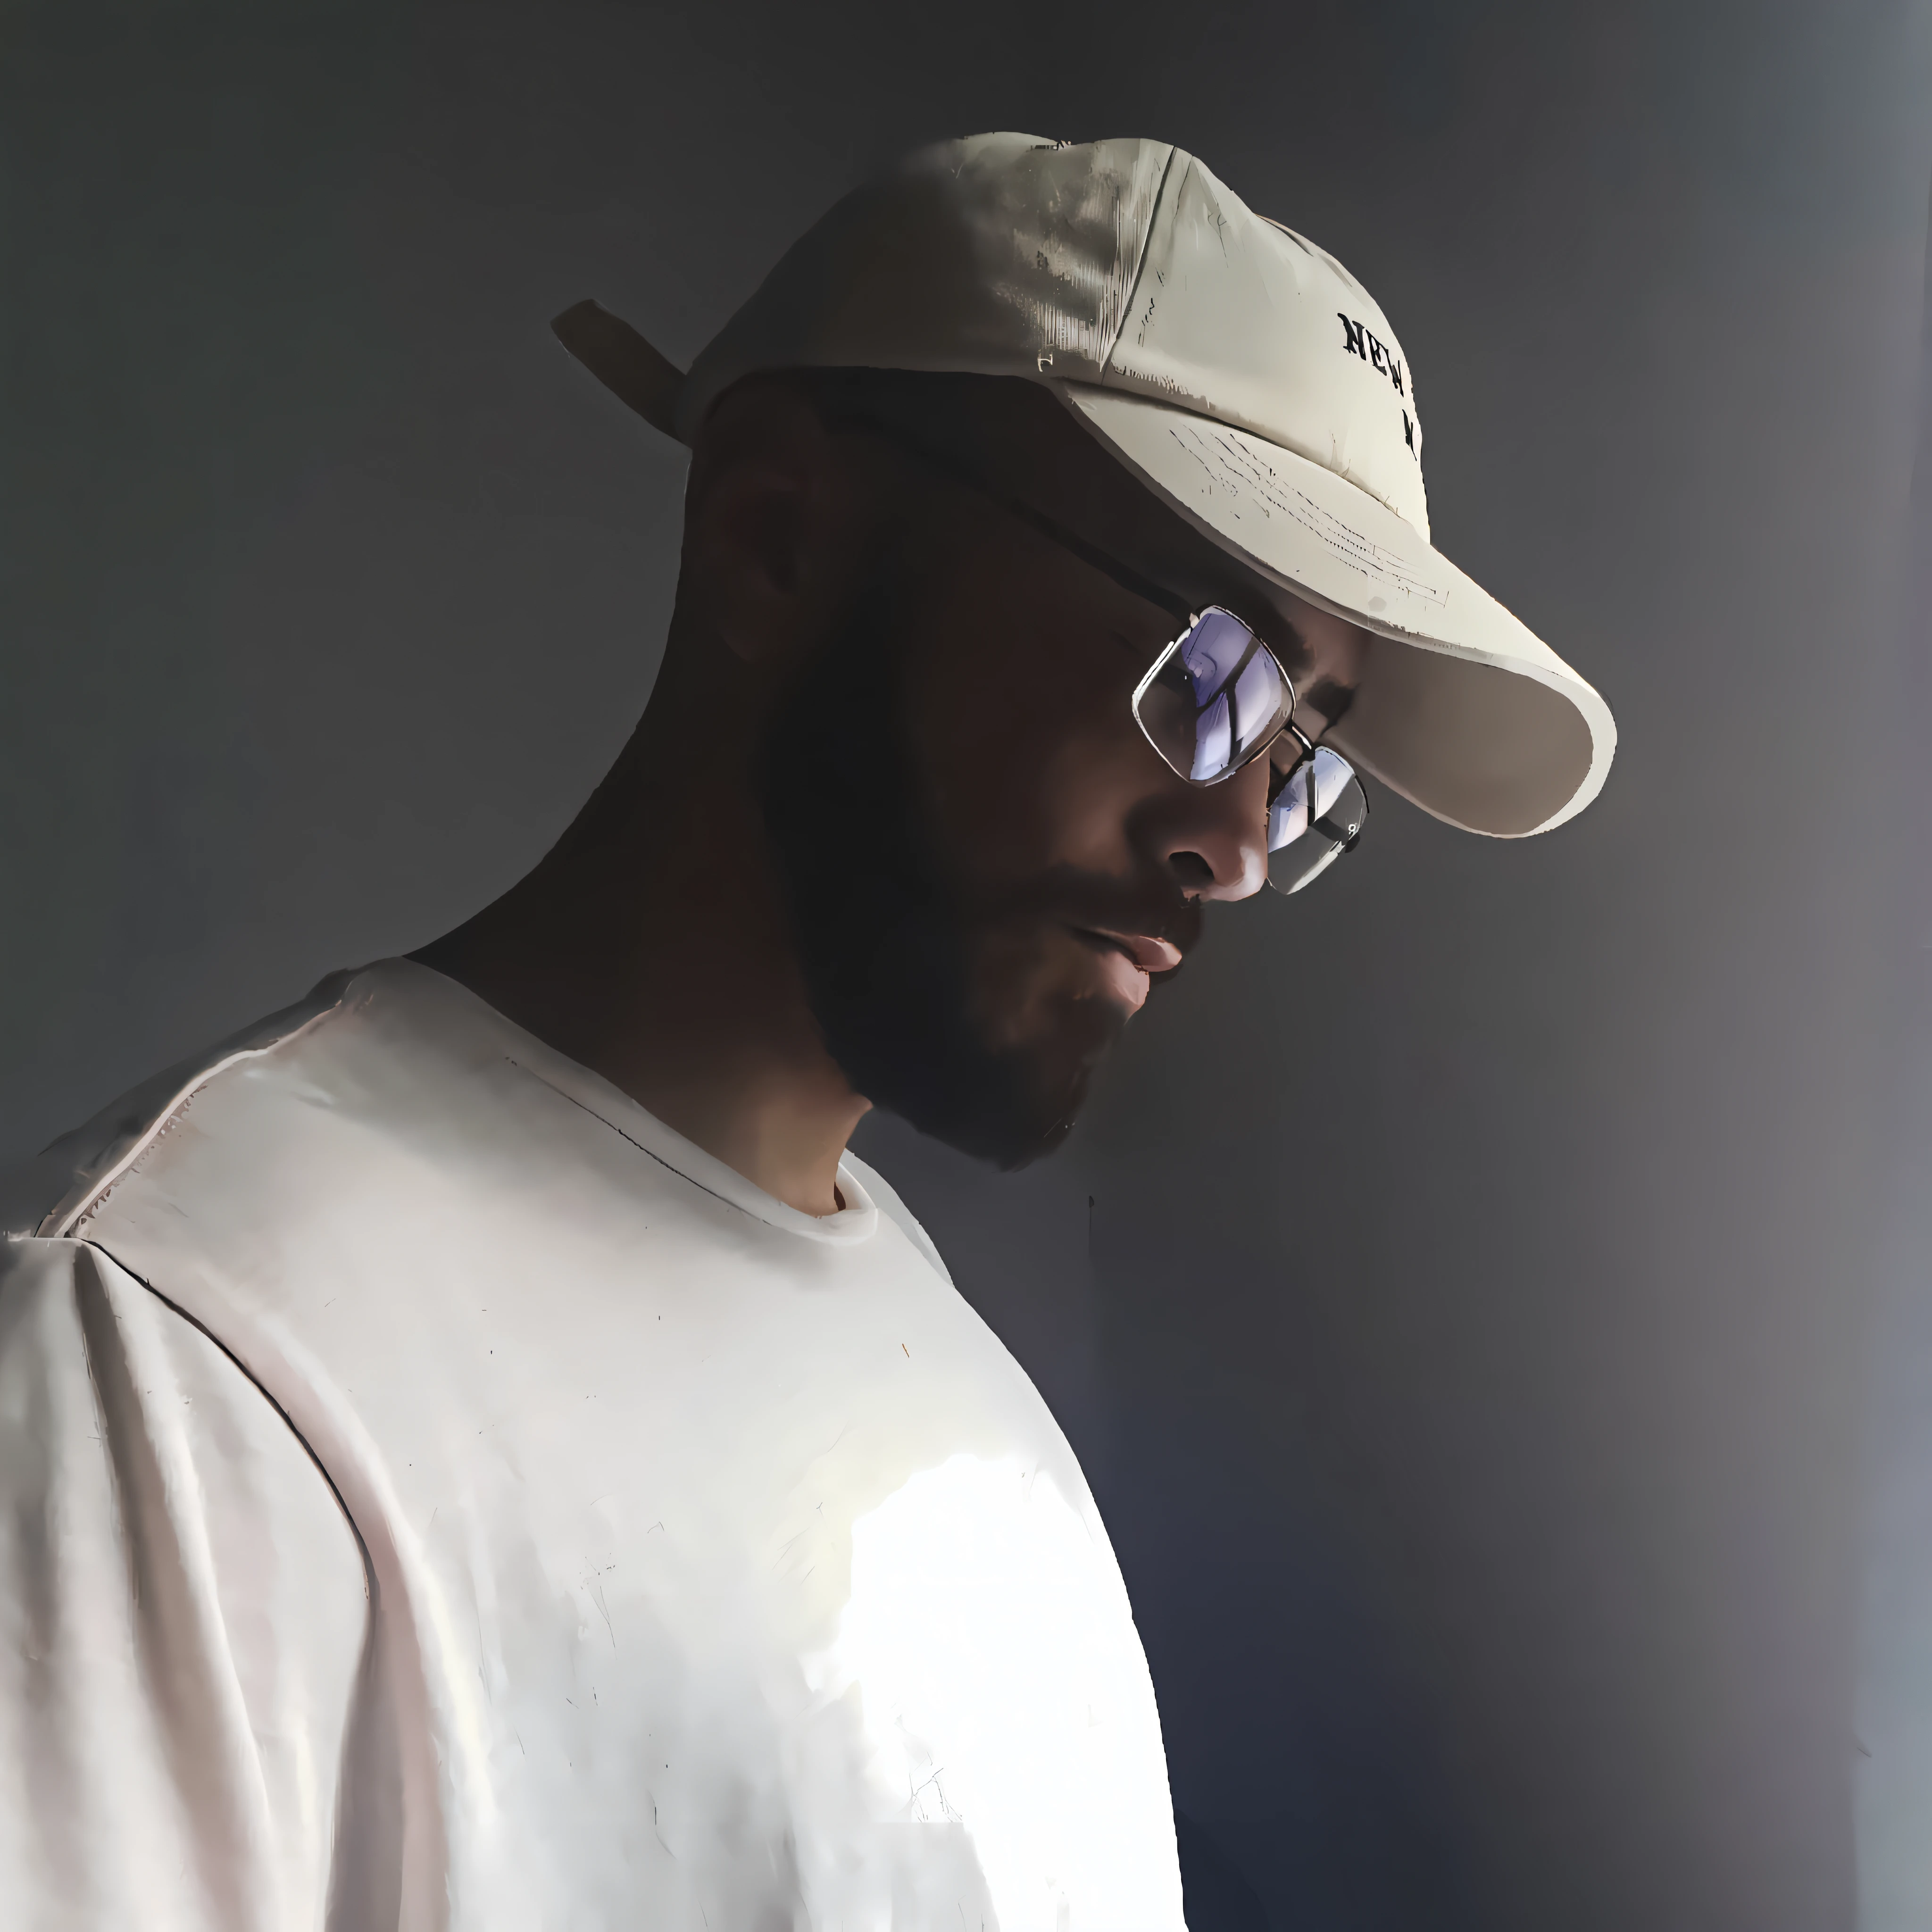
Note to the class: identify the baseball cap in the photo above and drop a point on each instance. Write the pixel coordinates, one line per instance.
(1237, 370)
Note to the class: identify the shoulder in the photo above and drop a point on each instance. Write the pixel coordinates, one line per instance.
(47, 1195)
(155, 1503)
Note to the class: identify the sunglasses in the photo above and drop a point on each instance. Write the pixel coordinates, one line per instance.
(1214, 701)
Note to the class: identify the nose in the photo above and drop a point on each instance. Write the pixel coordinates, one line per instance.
(1214, 838)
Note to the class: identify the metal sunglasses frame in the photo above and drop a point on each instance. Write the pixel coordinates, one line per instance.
(1195, 620)
(1343, 840)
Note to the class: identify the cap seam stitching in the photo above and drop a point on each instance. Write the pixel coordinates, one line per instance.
(1140, 261)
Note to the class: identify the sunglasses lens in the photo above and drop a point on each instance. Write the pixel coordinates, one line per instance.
(1216, 698)
(1303, 843)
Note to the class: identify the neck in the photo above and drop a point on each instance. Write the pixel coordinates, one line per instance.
(651, 946)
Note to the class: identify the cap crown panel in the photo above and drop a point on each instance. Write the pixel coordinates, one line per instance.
(1003, 254)
(1239, 318)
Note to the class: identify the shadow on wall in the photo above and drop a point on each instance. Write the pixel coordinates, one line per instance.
(1326, 1876)
(1217, 1898)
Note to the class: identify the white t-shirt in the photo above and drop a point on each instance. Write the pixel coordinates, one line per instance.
(433, 1493)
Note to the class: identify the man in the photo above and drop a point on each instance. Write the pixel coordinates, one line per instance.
(478, 1450)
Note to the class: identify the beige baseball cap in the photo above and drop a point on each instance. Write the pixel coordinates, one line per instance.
(1241, 373)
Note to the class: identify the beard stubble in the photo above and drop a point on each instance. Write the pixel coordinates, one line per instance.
(893, 959)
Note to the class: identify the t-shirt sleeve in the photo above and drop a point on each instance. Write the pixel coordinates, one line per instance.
(184, 1620)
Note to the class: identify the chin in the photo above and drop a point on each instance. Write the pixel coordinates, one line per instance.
(1008, 1093)
(1047, 1052)
(1041, 1122)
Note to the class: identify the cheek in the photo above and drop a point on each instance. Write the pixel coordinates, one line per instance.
(1026, 737)
(1034, 999)
(1034, 986)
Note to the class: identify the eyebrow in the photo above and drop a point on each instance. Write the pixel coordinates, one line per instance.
(1326, 691)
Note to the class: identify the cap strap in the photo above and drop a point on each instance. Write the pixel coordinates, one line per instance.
(622, 361)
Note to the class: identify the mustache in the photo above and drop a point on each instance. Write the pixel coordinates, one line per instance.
(1066, 895)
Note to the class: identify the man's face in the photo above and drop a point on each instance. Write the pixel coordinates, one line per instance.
(987, 865)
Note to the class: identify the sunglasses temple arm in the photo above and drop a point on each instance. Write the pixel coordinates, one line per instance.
(1055, 532)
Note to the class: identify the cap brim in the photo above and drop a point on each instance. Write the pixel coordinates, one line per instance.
(1461, 708)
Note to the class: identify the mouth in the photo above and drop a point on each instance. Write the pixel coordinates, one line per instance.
(1128, 961)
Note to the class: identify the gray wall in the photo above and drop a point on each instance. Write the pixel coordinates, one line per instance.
(1893, 1787)
(1464, 1333)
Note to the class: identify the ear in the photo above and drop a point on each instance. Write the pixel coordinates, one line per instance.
(776, 513)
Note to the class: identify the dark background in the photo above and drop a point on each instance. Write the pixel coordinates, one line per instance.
(1458, 1293)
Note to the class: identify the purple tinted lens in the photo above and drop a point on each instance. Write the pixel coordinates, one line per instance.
(1334, 783)
(1213, 741)
(1213, 651)
(1302, 845)
(1260, 690)
(1241, 699)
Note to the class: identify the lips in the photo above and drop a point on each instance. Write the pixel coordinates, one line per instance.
(1127, 960)
(1150, 956)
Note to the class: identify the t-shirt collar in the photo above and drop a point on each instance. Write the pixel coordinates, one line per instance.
(857, 1220)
